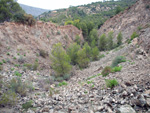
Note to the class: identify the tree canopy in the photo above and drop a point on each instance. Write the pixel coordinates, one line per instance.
(8, 8)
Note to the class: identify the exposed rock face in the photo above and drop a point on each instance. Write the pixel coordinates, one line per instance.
(144, 39)
(19, 40)
(128, 21)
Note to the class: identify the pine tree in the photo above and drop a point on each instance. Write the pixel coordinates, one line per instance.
(82, 60)
(102, 42)
(87, 49)
(110, 41)
(60, 60)
(95, 53)
(119, 39)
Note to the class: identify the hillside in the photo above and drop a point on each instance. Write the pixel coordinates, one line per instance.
(96, 12)
(32, 10)
(27, 82)
(131, 20)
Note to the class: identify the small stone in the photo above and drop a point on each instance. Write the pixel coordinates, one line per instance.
(148, 101)
(126, 109)
(46, 109)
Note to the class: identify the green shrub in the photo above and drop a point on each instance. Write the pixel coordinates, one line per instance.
(134, 35)
(72, 52)
(77, 39)
(62, 84)
(16, 65)
(1, 63)
(27, 105)
(111, 83)
(24, 19)
(16, 85)
(118, 60)
(35, 65)
(87, 50)
(59, 79)
(116, 69)
(8, 98)
(101, 56)
(95, 53)
(18, 74)
(106, 71)
(1, 67)
(66, 76)
(8, 54)
(83, 60)
(4, 61)
(29, 66)
(102, 42)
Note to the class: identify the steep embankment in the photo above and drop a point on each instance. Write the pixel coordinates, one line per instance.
(127, 22)
(27, 43)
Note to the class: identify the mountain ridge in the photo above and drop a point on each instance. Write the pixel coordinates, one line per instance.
(33, 10)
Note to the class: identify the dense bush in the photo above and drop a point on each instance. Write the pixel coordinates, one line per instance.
(83, 60)
(111, 83)
(24, 19)
(106, 71)
(72, 52)
(118, 60)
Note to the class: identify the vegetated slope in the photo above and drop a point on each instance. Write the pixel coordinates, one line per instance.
(28, 42)
(130, 20)
(32, 10)
(96, 12)
(86, 91)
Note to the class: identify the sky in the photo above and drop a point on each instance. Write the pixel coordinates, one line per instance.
(55, 4)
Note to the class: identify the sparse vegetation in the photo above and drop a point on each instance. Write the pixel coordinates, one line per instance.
(17, 86)
(106, 71)
(18, 74)
(134, 35)
(8, 98)
(1, 67)
(27, 105)
(118, 60)
(111, 83)
(62, 84)
(116, 69)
